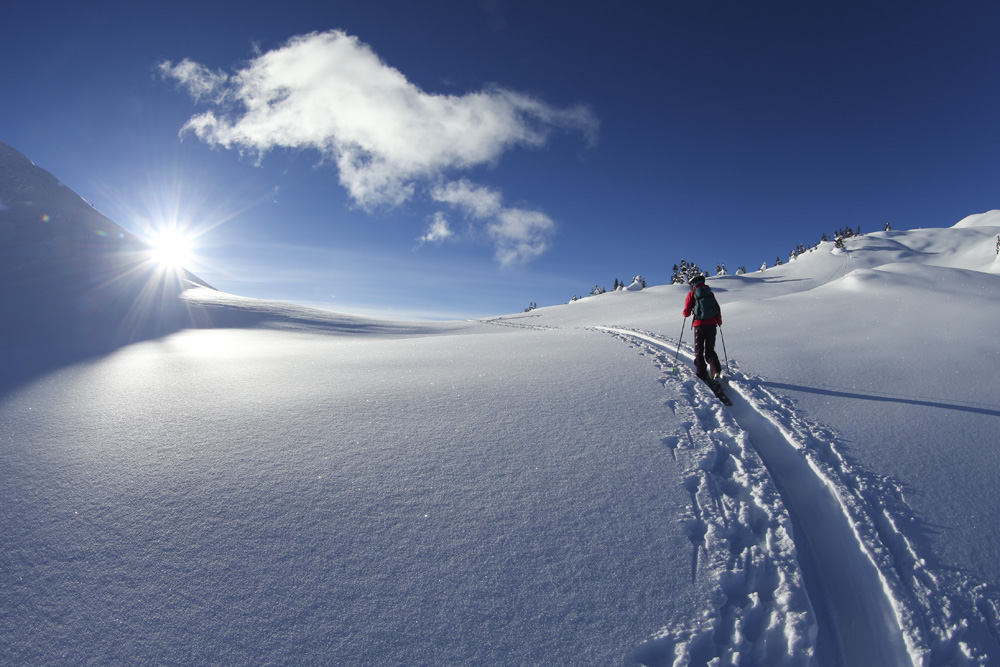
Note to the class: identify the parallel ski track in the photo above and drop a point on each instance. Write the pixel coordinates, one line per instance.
(857, 613)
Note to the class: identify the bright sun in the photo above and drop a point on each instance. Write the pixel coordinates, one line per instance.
(170, 249)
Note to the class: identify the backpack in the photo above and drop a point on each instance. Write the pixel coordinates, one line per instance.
(705, 305)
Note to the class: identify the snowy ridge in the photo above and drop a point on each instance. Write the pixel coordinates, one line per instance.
(879, 599)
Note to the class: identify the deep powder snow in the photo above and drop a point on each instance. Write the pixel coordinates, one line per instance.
(302, 488)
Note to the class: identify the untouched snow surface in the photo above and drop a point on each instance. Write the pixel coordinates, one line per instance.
(541, 488)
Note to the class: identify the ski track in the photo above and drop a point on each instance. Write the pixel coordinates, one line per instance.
(507, 321)
(849, 589)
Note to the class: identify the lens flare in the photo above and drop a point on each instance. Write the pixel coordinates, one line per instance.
(170, 249)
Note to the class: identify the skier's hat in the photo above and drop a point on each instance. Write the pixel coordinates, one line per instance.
(696, 280)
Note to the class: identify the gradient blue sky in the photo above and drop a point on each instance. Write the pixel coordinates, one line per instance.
(560, 144)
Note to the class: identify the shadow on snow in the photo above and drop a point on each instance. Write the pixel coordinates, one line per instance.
(888, 399)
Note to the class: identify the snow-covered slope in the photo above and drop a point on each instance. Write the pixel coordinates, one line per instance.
(64, 267)
(879, 362)
(541, 488)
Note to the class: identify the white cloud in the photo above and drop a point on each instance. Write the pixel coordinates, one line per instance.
(438, 230)
(199, 81)
(475, 200)
(519, 234)
(331, 92)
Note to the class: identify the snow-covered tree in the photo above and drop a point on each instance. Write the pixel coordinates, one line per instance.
(638, 283)
(685, 272)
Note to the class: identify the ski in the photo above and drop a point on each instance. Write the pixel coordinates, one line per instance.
(720, 393)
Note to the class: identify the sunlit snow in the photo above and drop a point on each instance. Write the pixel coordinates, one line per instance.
(274, 485)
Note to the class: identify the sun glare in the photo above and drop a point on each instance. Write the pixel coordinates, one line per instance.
(170, 249)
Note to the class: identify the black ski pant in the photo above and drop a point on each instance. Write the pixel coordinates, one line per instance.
(704, 350)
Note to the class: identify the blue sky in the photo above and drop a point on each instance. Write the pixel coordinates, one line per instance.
(462, 159)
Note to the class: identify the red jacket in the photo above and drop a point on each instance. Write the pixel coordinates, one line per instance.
(689, 305)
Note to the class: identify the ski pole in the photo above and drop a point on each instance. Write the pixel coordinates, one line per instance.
(723, 336)
(679, 339)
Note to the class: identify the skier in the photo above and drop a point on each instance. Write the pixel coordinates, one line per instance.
(702, 304)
